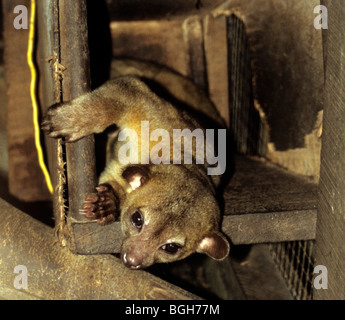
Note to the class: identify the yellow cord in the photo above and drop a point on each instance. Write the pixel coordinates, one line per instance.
(33, 97)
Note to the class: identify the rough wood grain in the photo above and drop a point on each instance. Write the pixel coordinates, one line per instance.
(330, 249)
(90, 238)
(56, 273)
(263, 203)
(193, 37)
(259, 186)
(270, 227)
(215, 42)
(81, 165)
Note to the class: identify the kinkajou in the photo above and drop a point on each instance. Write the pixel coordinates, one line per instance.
(168, 209)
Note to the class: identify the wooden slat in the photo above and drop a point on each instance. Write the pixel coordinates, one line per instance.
(330, 249)
(216, 55)
(261, 187)
(270, 227)
(193, 37)
(90, 238)
(263, 203)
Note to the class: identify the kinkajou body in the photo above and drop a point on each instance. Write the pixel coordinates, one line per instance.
(167, 210)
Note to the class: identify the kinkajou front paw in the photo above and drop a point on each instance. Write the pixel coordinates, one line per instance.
(101, 206)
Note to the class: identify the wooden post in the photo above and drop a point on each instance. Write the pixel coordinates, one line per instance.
(216, 54)
(330, 231)
(81, 168)
(48, 56)
(65, 74)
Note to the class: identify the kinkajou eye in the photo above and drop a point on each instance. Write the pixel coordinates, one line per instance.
(171, 248)
(137, 219)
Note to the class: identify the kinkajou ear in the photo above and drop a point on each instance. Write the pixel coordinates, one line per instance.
(215, 245)
(136, 176)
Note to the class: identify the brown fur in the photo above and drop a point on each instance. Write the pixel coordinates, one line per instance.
(177, 202)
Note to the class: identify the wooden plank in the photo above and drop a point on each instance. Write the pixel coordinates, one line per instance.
(91, 238)
(56, 273)
(270, 227)
(330, 233)
(193, 37)
(263, 203)
(259, 186)
(215, 42)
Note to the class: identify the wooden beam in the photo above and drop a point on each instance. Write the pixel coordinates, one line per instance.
(330, 233)
(81, 163)
(259, 186)
(263, 203)
(216, 55)
(90, 238)
(56, 273)
(193, 37)
(63, 59)
(270, 227)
